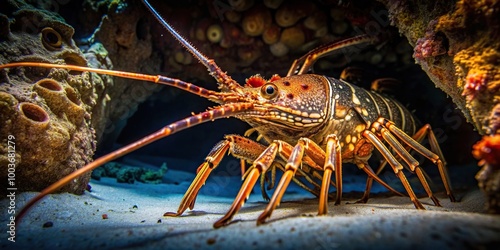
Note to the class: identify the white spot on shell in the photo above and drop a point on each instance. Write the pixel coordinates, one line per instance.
(315, 115)
(355, 99)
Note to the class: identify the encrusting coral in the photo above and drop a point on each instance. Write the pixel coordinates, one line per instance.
(58, 117)
(457, 44)
(130, 174)
(46, 113)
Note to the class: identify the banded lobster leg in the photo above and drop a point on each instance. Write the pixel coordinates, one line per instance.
(331, 162)
(264, 161)
(305, 172)
(308, 173)
(263, 158)
(382, 128)
(240, 147)
(436, 158)
(435, 155)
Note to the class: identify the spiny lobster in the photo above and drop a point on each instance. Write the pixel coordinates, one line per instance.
(310, 124)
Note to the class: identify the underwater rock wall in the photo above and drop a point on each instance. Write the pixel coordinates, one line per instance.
(122, 29)
(248, 37)
(457, 44)
(47, 111)
(58, 117)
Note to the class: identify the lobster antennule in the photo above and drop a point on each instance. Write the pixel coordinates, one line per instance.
(219, 75)
(303, 64)
(158, 79)
(210, 115)
(200, 56)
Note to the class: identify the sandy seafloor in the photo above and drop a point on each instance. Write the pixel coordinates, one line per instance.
(135, 220)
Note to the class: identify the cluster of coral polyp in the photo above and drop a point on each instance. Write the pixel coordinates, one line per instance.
(44, 112)
(457, 43)
(264, 37)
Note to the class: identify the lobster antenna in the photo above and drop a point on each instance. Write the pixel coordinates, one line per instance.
(158, 79)
(219, 75)
(218, 112)
(200, 56)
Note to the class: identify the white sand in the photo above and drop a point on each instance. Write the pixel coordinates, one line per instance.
(382, 223)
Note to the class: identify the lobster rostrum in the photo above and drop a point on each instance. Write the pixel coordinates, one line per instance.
(308, 124)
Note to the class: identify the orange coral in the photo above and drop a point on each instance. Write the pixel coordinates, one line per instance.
(271, 35)
(293, 37)
(256, 20)
(291, 12)
(487, 150)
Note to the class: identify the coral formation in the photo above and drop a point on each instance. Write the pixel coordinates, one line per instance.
(129, 174)
(456, 43)
(256, 20)
(124, 33)
(487, 151)
(58, 117)
(243, 33)
(46, 111)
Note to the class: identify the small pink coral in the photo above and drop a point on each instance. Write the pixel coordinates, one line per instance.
(474, 83)
(428, 47)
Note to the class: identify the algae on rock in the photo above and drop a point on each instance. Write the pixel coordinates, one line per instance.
(47, 111)
(58, 117)
(457, 42)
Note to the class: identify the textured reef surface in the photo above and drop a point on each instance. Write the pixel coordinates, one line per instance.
(457, 44)
(58, 117)
(47, 113)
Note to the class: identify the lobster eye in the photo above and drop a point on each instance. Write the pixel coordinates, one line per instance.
(269, 90)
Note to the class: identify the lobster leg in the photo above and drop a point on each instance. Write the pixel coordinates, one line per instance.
(237, 145)
(241, 147)
(264, 179)
(211, 162)
(332, 162)
(261, 164)
(435, 158)
(426, 130)
(372, 176)
(310, 180)
(403, 154)
(309, 164)
(395, 164)
(296, 179)
(369, 182)
(290, 169)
